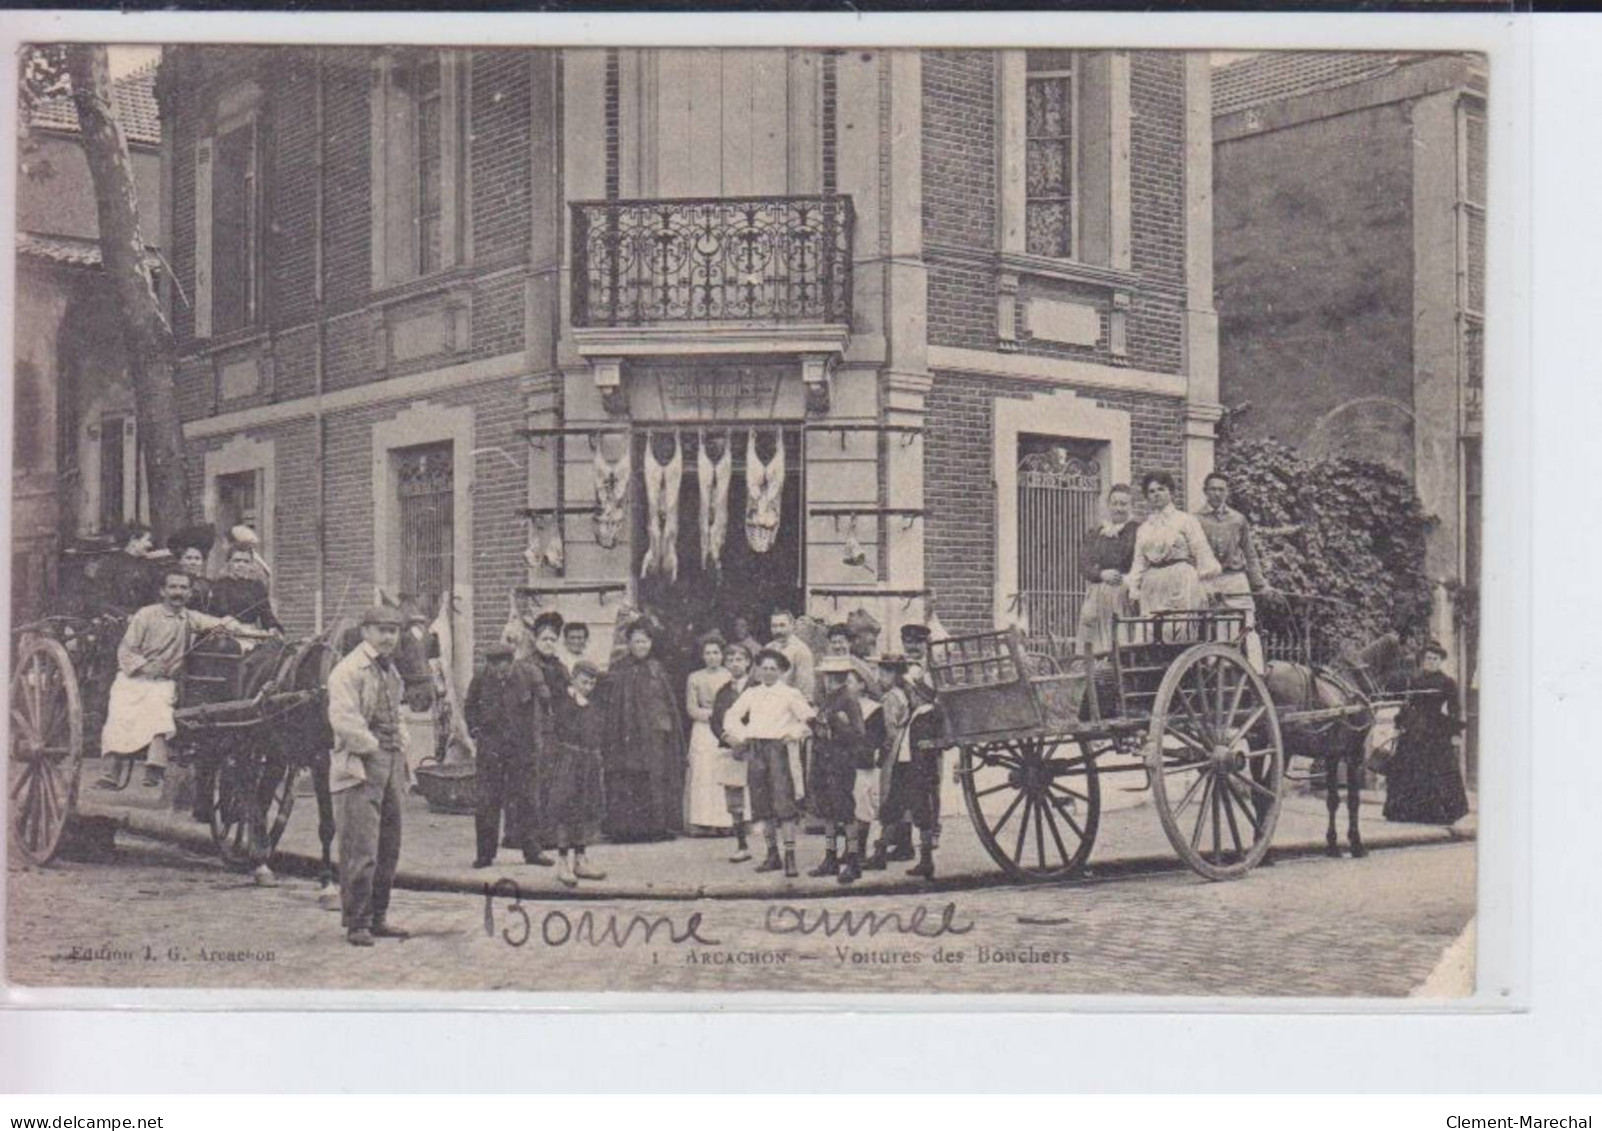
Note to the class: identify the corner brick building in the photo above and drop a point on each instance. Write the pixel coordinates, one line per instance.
(1351, 274)
(427, 298)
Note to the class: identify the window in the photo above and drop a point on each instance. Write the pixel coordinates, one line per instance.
(1059, 488)
(113, 471)
(417, 169)
(236, 501)
(1065, 160)
(426, 494)
(228, 216)
(1049, 172)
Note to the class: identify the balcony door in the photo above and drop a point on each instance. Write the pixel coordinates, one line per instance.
(727, 123)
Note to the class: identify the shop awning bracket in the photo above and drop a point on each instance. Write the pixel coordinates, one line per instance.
(599, 588)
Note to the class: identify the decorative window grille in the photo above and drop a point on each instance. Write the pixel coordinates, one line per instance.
(1057, 499)
(426, 489)
(1049, 160)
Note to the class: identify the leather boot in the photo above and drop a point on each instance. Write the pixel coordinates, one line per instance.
(876, 862)
(742, 849)
(829, 866)
(789, 864)
(851, 872)
(772, 863)
(924, 868)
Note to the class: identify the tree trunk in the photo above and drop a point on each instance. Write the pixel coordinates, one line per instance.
(147, 338)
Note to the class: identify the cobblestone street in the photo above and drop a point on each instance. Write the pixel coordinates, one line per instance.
(160, 916)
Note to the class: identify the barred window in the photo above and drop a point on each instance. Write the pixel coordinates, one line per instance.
(1049, 169)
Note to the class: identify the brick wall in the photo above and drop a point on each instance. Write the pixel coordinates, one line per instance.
(959, 191)
(497, 188)
(960, 159)
(960, 490)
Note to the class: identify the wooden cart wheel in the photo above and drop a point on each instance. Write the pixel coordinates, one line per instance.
(46, 746)
(1216, 761)
(1034, 805)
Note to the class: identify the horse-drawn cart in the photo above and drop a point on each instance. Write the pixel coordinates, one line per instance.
(242, 724)
(1175, 701)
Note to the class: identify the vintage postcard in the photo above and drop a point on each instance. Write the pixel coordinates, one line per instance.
(764, 519)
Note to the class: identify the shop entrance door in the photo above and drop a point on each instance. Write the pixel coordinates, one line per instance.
(747, 583)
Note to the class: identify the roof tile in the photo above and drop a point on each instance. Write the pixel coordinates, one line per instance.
(1276, 75)
(134, 95)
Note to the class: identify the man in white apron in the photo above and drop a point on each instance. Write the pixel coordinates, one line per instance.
(149, 658)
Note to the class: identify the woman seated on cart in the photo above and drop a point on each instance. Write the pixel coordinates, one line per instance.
(1172, 557)
(190, 547)
(241, 594)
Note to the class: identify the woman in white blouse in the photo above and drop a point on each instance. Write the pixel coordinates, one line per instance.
(1172, 556)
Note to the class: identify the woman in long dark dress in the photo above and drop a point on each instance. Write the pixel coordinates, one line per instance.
(644, 750)
(1109, 551)
(553, 682)
(1423, 784)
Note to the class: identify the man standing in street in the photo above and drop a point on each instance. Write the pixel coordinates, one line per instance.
(367, 775)
(500, 716)
(1229, 533)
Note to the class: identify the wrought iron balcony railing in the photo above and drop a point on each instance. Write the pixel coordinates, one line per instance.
(784, 259)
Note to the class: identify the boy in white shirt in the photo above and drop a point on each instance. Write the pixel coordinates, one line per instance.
(765, 720)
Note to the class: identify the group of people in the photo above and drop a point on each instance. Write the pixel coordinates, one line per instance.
(782, 735)
(1174, 561)
(173, 609)
(568, 754)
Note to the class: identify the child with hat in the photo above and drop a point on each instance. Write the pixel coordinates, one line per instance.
(841, 747)
(767, 719)
(897, 825)
(911, 776)
(577, 793)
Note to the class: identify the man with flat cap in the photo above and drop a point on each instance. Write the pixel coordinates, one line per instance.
(500, 715)
(367, 774)
(899, 802)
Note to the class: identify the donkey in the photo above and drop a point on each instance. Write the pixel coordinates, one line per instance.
(1353, 680)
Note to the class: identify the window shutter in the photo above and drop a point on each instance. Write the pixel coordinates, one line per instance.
(203, 168)
(379, 167)
(1104, 156)
(450, 142)
(400, 180)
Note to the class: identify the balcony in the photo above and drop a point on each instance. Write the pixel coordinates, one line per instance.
(736, 261)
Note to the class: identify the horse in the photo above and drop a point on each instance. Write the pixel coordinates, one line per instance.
(1350, 682)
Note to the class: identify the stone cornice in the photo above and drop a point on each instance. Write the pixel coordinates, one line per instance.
(411, 387)
(1056, 371)
(709, 338)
